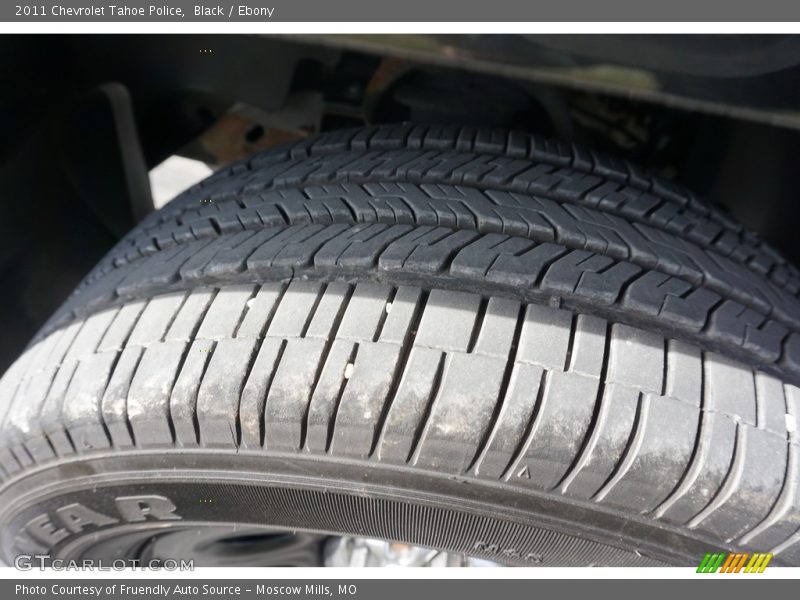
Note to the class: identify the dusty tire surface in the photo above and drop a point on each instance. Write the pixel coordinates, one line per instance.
(479, 341)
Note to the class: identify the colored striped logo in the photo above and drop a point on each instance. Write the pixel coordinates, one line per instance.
(736, 562)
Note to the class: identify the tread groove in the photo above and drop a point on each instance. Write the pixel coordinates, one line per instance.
(631, 450)
(503, 393)
(589, 441)
(530, 427)
(323, 359)
(351, 359)
(729, 484)
(279, 356)
(424, 424)
(478, 325)
(782, 504)
(399, 370)
(195, 416)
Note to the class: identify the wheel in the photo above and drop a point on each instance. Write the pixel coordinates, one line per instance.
(484, 343)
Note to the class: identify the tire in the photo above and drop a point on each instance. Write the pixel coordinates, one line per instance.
(477, 341)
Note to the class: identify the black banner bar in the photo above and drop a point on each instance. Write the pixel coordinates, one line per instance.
(462, 11)
(730, 588)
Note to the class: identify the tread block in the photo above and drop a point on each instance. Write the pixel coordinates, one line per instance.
(18, 369)
(189, 316)
(433, 258)
(460, 412)
(770, 404)
(526, 269)
(225, 312)
(82, 411)
(233, 259)
(8, 461)
(545, 336)
(155, 319)
(260, 310)
(684, 373)
(565, 273)
(649, 292)
(328, 312)
(290, 394)
(448, 321)
(254, 393)
(603, 288)
(400, 316)
(193, 269)
(791, 352)
(365, 312)
(292, 315)
(88, 338)
(792, 394)
(328, 394)
(706, 473)
(657, 457)
(752, 488)
(405, 414)
(115, 399)
(363, 398)
(475, 259)
(588, 346)
(266, 259)
(784, 519)
(362, 249)
(63, 344)
(183, 398)
(606, 444)
(50, 417)
(22, 420)
(497, 330)
(165, 271)
(515, 413)
(299, 251)
(559, 427)
(117, 334)
(220, 390)
(41, 357)
(636, 358)
(692, 311)
(148, 396)
(730, 388)
(394, 256)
